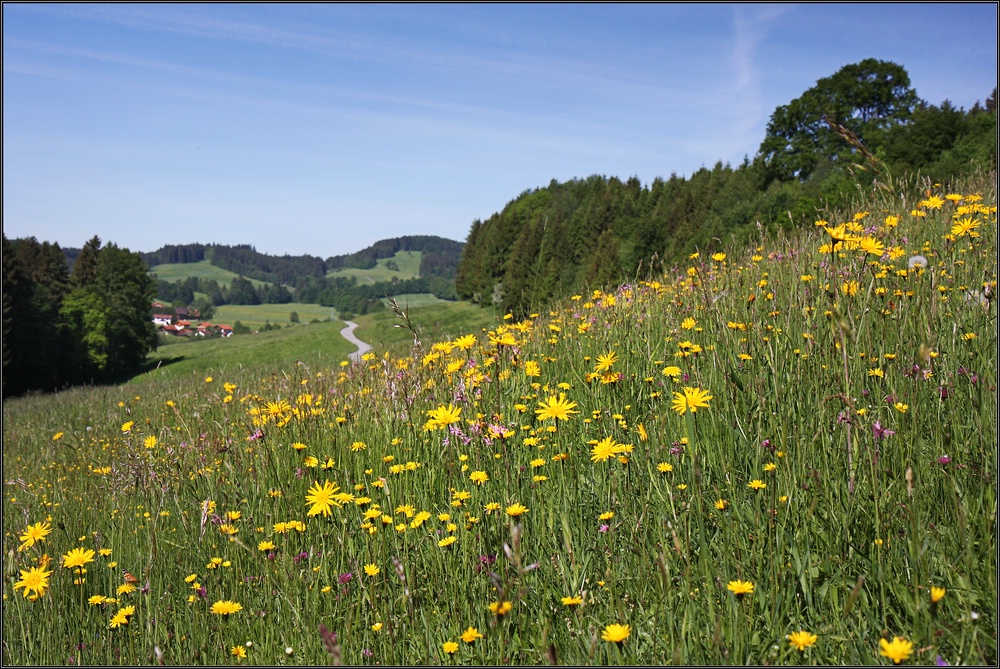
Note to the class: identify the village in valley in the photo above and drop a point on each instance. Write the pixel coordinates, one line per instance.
(185, 322)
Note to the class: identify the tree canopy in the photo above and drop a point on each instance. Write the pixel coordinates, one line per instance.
(868, 98)
(60, 330)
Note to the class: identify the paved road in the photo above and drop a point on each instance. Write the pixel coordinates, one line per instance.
(348, 334)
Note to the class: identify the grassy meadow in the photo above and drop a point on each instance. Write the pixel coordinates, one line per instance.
(257, 315)
(202, 269)
(407, 267)
(314, 343)
(778, 455)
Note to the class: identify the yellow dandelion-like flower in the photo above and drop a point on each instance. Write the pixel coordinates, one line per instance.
(78, 558)
(740, 588)
(801, 639)
(691, 400)
(896, 650)
(34, 581)
(226, 607)
(614, 632)
(516, 509)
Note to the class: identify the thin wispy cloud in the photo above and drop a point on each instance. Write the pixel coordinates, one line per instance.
(329, 112)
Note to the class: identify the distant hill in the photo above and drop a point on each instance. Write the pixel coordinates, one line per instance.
(354, 283)
(439, 257)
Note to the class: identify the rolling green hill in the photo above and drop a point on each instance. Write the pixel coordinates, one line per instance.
(403, 265)
(202, 269)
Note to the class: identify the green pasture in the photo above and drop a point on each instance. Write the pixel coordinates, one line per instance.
(256, 315)
(202, 269)
(408, 263)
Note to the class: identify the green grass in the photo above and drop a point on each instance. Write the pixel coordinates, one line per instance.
(842, 460)
(408, 263)
(415, 300)
(318, 343)
(438, 320)
(202, 270)
(255, 316)
(313, 342)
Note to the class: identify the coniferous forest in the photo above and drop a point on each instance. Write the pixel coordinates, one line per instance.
(862, 126)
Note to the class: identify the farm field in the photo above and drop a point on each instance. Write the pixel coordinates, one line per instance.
(407, 262)
(202, 270)
(777, 455)
(256, 315)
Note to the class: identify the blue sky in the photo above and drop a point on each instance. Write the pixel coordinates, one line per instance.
(319, 129)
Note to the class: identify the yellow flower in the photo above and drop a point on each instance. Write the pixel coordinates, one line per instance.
(33, 533)
(871, 246)
(121, 617)
(447, 541)
(605, 449)
(127, 426)
(740, 587)
(226, 607)
(78, 557)
(672, 371)
(34, 580)
(691, 400)
(322, 498)
(937, 594)
(516, 509)
(572, 601)
(239, 651)
(718, 257)
(801, 639)
(501, 608)
(757, 484)
(470, 635)
(265, 546)
(896, 650)
(616, 633)
(372, 569)
(721, 504)
(450, 647)
(606, 361)
(442, 417)
(479, 477)
(556, 408)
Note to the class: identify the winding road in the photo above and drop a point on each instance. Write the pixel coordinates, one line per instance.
(348, 334)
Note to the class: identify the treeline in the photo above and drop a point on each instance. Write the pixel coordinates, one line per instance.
(240, 291)
(303, 278)
(351, 298)
(61, 329)
(861, 124)
(344, 293)
(439, 257)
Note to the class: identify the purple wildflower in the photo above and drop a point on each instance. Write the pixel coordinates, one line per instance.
(881, 432)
